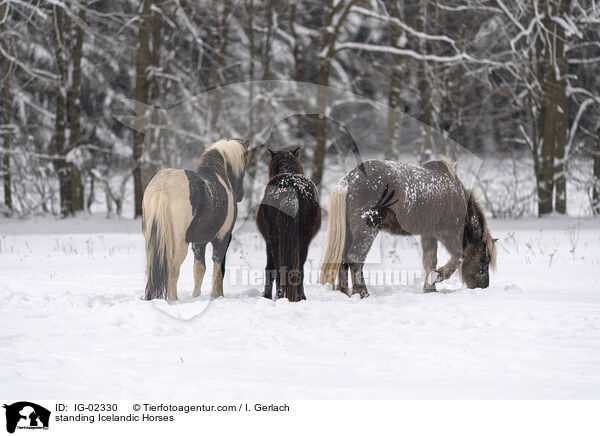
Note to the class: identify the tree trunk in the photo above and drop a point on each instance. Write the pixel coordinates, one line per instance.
(547, 120)
(253, 158)
(562, 117)
(73, 105)
(596, 188)
(395, 8)
(268, 41)
(92, 193)
(298, 65)
(329, 35)
(155, 95)
(425, 114)
(545, 179)
(141, 97)
(58, 143)
(6, 109)
(323, 82)
(218, 68)
(296, 50)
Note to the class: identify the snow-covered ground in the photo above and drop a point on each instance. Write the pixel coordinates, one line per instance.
(73, 325)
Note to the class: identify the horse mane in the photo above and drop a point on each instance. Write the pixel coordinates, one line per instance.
(232, 151)
(487, 236)
(475, 204)
(449, 164)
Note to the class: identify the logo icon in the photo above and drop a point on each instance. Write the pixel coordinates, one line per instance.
(26, 415)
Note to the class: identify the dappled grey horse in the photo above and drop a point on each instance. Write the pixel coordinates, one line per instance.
(406, 199)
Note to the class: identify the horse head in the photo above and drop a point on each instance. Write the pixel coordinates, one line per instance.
(286, 160)
(479, 248)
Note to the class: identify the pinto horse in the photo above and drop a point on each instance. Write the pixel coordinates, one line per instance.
(182, 207)
(288, 217)
(405, 199)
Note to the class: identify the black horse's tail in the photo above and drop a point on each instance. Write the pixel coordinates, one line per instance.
(159, 243)
(288, 255)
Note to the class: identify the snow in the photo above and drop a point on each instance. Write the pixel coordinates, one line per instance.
(73, 325)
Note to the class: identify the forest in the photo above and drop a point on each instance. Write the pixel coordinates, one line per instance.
(95, 93)
(224, 290)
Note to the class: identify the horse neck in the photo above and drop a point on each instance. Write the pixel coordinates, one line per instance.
(474, 222)
(218, 169)
(281, 166)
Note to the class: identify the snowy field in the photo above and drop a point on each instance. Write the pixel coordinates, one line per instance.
(73, 325)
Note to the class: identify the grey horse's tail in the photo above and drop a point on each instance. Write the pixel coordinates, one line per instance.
(336, 236)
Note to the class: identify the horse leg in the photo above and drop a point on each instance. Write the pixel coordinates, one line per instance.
(358, 280)
(269, 273)
(357, 253)
(199, 267)
(179, 254)
(429, 246)
(278, 273)
(344, 267)
(453, 244)
(219, 253)
(343, 278)
(303, 255)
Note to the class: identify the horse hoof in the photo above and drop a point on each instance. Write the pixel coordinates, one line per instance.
(363, 293)
(433, 277)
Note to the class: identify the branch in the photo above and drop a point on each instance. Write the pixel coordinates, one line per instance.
(404, 26)
(34, 72)
(575, 126)
(422, 57)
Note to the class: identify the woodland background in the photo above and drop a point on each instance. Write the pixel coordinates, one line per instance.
(515, 81)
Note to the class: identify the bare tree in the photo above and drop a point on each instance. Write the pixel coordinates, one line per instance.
(74, 112)
(397, 77)
(141, 99)
(6, 107)
(335, 15)
(59, 140)
(596, 187)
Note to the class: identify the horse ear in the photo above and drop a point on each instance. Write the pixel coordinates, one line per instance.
(271, 152)
(297, 152)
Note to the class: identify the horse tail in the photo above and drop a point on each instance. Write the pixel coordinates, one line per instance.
(159, 245)
(288, 255)
(336, 236)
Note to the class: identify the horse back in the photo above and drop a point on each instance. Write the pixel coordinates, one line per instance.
(293, 195)
(170, 185)
(210, 203)
(419, 199)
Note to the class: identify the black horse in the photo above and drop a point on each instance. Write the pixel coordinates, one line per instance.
(288, 217)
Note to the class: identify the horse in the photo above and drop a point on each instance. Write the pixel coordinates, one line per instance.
(288, 218)
(405, 199)
(182, 207)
